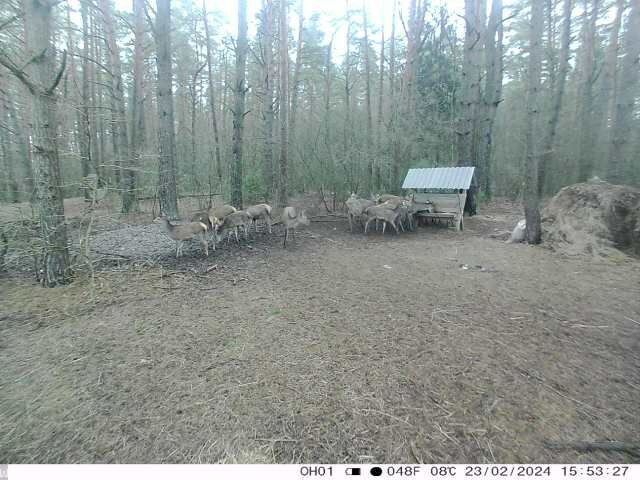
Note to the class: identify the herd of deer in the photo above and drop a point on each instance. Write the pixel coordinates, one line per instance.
(390, 209)
(218, 222)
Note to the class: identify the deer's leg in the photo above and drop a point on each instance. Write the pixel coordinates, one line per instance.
(205, 244)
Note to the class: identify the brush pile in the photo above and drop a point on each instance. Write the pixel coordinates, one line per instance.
(593, 218)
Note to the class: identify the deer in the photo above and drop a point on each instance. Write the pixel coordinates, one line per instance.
(388, 197)
(260, 211)
(384, 213)
(355, 208)
(210, 221)
(182, 233)
(221, 212)
(291, 219)
(231, 224)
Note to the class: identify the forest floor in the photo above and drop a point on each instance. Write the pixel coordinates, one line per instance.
(432, 346)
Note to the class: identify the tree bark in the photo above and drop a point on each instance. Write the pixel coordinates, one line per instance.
(492, 93)
(137, 104)
(585, 94)
(295, 90)
(12, 193)
(238, 110)
(367, 99)
(620, 155)
(550, 7)
(328, 91)
(558, 95)
(167, 189)
(531, 197)
(610, 81)
(470, 85)
(85, 137)
(283, 182)
(95, 86)
(347, 127)
(212, 100)
(41, 79)
(266, 44)
(21, 130)
(225, 82)
(377, 184)
(121, 152)
(193, 93)
(393, 101)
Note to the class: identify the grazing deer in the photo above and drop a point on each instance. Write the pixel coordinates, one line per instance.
(388, 197)
(232, 223)
(291, 219)
(211, 222)
(381, 212)
(355, 208)
(221, 212)
(260, 211)
(204, 217)
(182, 233)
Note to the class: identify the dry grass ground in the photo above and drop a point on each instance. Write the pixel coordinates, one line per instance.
(343, 348)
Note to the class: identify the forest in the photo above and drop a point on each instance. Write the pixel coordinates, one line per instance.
(396, 325)
(158, 100)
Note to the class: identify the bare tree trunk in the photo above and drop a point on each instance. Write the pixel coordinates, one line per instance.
(377, 183)
(393, 101)
(85, 126)
(266, 44)
(225, 82)
(97, 101)
(346, 132)
(610, 84)
(283, 183)
(558, 94)
(167, 188)
(470, 95)
(238, 110)
(492, 93)
(415, 41)
(41, 79)
(212, 100)
(367, 100)
(328, 91)
(620, 155)
(118, 115)
(193, 91)
(531, 198)
(137, 106)
(296, 74)
(22, 135)
(585, 94)
(11, 183)
(550, 7)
